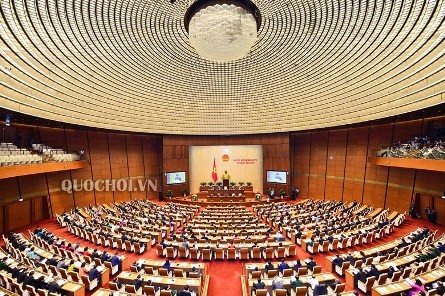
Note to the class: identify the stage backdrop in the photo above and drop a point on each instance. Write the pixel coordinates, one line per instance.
(244, 163)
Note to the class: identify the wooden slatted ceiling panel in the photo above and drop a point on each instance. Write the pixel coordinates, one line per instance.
(128, 65)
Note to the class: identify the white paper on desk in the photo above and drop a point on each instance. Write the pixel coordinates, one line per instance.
(190, 282)
(124, 273)
(398, 286)
(9, 261)
(326, 276)
(171, 280)
(383, 290)
(60, 282)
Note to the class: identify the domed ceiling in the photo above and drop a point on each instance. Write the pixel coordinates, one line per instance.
(129, 64)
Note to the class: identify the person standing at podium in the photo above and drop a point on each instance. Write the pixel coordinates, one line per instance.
(225, 177)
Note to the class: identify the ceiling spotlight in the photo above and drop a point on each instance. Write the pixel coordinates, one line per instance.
(172, 1)
(21, 198)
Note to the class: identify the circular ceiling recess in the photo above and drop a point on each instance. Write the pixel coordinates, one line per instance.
(222, 30)
(140, 66)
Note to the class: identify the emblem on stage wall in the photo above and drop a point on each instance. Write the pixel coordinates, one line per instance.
(225, 157)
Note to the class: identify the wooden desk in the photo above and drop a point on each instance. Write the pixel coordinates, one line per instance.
(227, 192)
(261, 266)
(105, 274)
(7, 292)
(161, 281)
(325, 278)
(186, 266)
(74, 289)
(402, 286)
(368, 252)
(237, 246)
(226, 198)
(305, 242)
(70, 288)
(107, 292)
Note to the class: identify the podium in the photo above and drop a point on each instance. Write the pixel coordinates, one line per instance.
(226, 183)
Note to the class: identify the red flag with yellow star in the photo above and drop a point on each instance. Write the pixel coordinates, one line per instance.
(214, 175)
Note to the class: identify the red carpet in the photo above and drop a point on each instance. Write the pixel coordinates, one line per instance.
(225, 275)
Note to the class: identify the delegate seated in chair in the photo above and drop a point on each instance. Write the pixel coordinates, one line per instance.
(137, 282)
(258, 285)
(282, 266)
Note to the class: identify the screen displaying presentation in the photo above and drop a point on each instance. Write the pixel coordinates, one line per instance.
(175, 178)
(276, 177)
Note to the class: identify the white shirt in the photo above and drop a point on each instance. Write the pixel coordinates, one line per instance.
(313, 282)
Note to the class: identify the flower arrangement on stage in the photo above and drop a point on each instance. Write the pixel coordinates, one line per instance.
(194, 197)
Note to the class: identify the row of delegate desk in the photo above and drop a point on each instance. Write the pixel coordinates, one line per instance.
(401, 286)
(61, 252)
(373, 251)
(175, 283)
(384, 266)
(70, 288)
(105, 273)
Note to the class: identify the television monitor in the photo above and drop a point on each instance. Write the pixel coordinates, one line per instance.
(175, 178)
(276, 177)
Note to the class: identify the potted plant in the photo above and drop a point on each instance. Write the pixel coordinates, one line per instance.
(282, 193)
(240, 184)
(203, 184)
(169, 194)
(218, 184)
(232, 184)
(185, 192)
(211, 183)
(249, 183)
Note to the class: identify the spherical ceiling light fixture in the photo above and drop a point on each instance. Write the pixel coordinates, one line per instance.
(222, 30)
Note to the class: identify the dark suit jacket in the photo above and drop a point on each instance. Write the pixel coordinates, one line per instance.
(94, 274)
(374, 272)
(53, 287)
(185, 293)
(283, 266)
(137, 284)
(351, 259)
(311, 265)
(361, 276)
(338, 261)
(21, 276)
(257, 285)
(29, 280)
